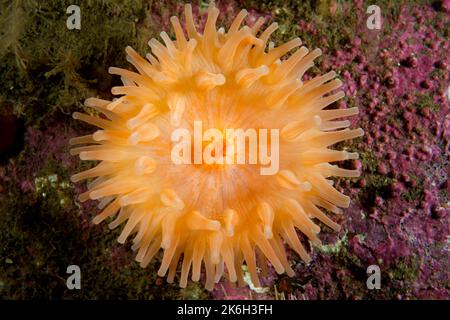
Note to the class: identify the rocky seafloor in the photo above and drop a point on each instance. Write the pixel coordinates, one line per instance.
(398, 219)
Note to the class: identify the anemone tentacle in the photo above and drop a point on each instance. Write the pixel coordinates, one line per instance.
(218, 217)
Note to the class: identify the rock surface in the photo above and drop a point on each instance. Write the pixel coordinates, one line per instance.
(398, 219)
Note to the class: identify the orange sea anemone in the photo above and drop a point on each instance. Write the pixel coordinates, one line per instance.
(218, 215)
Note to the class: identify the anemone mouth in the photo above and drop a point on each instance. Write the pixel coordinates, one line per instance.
(217, 216)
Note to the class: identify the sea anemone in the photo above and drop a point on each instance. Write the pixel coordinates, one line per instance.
(218, 215)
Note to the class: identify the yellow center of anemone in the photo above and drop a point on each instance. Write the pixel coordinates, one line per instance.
(217, 216)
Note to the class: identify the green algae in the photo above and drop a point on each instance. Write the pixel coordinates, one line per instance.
(333, 248)
(405, 269)
(440, 73)
(50, 184)
(47, 68)
(376, 184)
(415, 193)
(369, 161)
(333, 27)
(426, 101)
